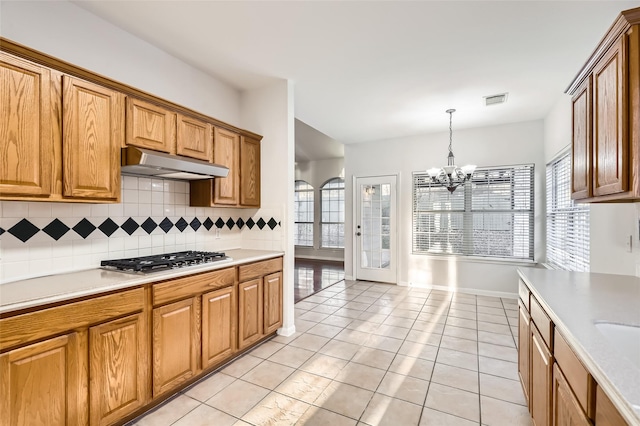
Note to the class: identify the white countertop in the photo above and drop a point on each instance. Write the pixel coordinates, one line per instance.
(575, 302)
(56, 288)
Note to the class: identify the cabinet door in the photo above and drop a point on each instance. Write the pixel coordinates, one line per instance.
(226, 145)
(93, 134)
(194, 138)
(541, 376)
(610, 142)
(43, 383)
(249, 172)
(176, 343)
(26, 139)
(219, 315)
(272, 302)
(524, 349)
(118, 380)
(250, 312)
(150, 126)
(566, 408)
(606, 413)
(581, 142)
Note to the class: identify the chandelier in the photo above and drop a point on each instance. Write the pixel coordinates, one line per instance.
(451, 176)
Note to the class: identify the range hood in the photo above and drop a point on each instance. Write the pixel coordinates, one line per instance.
(144, 162)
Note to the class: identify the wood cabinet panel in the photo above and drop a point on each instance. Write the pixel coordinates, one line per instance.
(524, 349)
(194, 138)
(259, 269)
(541, 377)
(180, 288)
(566, 408)
(610, 142)
(581, 142)
(219, 313)
(118, 383)
(575, 374)
(26, 137)
(606, 412)
(175, 326)
(542, 322)
(272, 302)
(523, 292)
(226, 154)
(250, 312)
(249, 172)
(150, 126)
(42, 384)
(93, 118)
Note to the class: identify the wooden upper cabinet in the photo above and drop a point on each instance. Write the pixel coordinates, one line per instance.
(194, 138)
(118, 368)
(581, 142)
(150, 126)
(226, 153)
(93, 123)
(249, 172)
(610, 141)
(26, 137)
(42, 384)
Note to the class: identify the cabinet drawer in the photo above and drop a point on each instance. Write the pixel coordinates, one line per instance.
(523, 292)
(179, 288)
(542, 321)
(258, 269)
(576, 374)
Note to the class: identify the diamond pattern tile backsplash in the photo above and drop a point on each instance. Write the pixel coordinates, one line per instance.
(41, 238)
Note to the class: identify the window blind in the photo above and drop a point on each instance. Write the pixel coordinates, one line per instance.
(490, 216)
(567, 222)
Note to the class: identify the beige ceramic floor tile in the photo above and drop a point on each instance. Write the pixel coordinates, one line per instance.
(310, 342)
(363, 326)
(344, 399)
(276, 410)
(210, 386)
(494, 319)
(372, 318)
(432, 417)
(338, 349)
(494, 328)
(268, 374)
(387, 411)
(454, 401)
(373, 358)
(352, 336)
(399, 322)
(462, 322)
(356, 305)
(428, 327)
(458, 359)
(287, 339)
(313, 316)
(418, 350)
(337, 321)
(457, 344)
(460, 332)
(391, 331)
(316, 416)
(238, 398)
(489, 310)
(325, 330)
(403, 387)
(383, 343)
(460, 313)
(241, 365)
(496, 339)
(500, 352)
(302, 325)
(349, 313)
(409, 366)
(498, 367)
(404, 313)
(291, 356)
(204, 415)
(169, 412)
(324, 365)
(361, 375)
(436, 317)
(303, 386)
(325, 309)
(305, 305)
(456, 377)
(498, 413)
(501, 388)
(267, 349)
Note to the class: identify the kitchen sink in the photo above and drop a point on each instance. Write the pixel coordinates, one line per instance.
(625, 338)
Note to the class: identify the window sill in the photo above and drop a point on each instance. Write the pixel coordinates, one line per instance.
(475, 259)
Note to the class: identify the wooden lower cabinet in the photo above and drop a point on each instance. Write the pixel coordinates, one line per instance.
(272, 302)
(566, 408)
(176, 343)
(250, 312)
(606, 413)
(541, 377)
(44, 383)
(524, 349)
(219, 313)
(118, 360)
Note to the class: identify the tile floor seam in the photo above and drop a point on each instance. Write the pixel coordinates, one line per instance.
(478, 361)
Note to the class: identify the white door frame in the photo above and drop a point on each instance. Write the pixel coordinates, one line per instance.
(355, 219)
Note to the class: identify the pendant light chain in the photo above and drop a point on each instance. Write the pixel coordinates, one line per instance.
(450, 130)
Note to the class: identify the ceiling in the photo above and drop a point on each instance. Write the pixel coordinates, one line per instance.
(371, 70)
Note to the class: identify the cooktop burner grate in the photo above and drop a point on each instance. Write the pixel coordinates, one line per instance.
(162, 262)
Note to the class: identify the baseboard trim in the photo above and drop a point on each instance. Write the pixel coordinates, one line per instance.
(287, 331)
(475, 291)
(328, 258)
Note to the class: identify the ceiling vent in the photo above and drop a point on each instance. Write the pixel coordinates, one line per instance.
(495, 99)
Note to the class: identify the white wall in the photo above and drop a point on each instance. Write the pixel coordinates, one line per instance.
(70, 33)
(610, 224)
(316, 173)
(510, 144)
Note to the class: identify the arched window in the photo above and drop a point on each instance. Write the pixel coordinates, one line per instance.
(303, 214)
(332, 218)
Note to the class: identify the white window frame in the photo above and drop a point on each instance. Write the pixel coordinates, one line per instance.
(308, 189)
(567, 221)
(338, 225)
